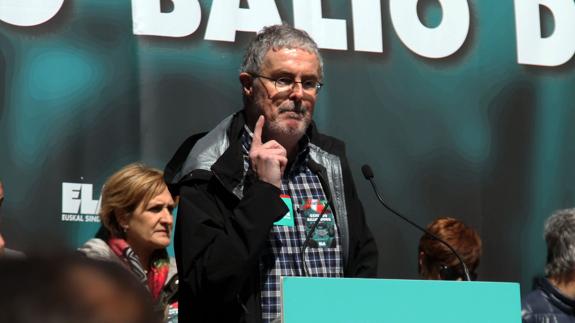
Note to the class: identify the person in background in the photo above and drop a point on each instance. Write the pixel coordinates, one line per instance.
(553, 298)
(5, 252)
(67, 288)
(136, 214)
(2, 242)
(437, 262)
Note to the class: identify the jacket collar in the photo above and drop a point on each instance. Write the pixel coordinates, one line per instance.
(220, 151)
(560, 301)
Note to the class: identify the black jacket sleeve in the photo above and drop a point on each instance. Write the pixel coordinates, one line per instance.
(219, 239)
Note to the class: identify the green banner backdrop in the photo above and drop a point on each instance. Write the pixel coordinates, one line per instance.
(462, 111)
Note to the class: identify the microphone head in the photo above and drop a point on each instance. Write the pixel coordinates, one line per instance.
(367, 173)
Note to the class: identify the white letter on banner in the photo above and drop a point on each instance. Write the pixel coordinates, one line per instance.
(226, 17)
(437, 42)
(557, 49)
(367, 25)
(71, 197)
(148, 19)
(88, 206)
(327, 33)
(28, 12)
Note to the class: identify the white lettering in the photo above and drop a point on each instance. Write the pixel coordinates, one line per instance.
(88, 205)
(147, 18)
(28, 12)
(226, 17)
(367, 34)
(327, 33)
(559, 47)
(72, 217)
(70, 197)
(92, 218)
(77, 199)
(437, 42)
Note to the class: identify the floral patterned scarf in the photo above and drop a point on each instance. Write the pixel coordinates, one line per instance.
(155, 279)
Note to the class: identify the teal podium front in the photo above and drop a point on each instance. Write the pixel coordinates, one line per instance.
(358, 300)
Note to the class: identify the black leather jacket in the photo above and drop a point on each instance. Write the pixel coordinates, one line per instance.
(545, 304)
(221, 229)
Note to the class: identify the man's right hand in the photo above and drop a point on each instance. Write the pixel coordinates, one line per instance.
(268, 159)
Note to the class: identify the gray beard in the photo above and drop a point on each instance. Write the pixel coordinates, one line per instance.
(276, 130)
(286, 135)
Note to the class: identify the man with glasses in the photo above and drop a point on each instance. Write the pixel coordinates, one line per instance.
(255, 189)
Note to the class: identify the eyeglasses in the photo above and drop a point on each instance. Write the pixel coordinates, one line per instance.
(285, 83)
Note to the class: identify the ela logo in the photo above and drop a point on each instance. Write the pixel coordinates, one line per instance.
(77, 203)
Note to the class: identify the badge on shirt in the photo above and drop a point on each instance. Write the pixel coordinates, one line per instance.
(324, 234)
(288, 219)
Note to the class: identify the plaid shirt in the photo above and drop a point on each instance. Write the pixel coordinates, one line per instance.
(282, 256)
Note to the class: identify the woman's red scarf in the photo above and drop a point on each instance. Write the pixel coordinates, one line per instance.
(159, 265)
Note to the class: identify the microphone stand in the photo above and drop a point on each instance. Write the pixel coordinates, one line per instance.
(368, 174)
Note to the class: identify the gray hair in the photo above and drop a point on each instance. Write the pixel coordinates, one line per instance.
(277, 37)
(559, 235)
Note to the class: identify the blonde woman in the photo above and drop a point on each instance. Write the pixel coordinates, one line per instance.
(136, 214)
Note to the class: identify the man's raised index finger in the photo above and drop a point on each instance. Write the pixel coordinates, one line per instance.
(257, 139)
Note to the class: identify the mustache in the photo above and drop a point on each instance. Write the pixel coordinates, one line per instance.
(293, 107)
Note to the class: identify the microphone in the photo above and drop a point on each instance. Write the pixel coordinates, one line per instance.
(368, 174)
(317, 170)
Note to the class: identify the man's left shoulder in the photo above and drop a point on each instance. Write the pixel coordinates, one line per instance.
(536, 302)
(329, 143)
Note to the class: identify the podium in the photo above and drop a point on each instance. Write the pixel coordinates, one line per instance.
(358, 300)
